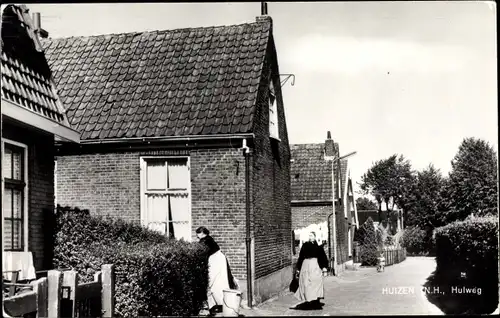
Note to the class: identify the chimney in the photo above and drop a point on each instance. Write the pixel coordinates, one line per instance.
(37, 24)
(329, 147)
(263, 8)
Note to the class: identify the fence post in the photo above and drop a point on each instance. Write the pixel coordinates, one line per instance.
(108, 290)
(55, 280)
(70, 280)
(40, 288)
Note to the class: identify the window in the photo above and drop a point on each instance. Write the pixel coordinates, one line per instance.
(14, 207)
(273, 113)
(165, 196)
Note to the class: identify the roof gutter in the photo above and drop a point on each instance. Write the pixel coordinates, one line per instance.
(28, 117)
(167, 138)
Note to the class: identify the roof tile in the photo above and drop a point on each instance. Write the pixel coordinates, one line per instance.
(311, 174)
(190, 80)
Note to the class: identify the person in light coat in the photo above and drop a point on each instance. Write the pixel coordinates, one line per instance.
(219, 272)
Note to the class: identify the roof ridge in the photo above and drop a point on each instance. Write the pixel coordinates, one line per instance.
(153, 31)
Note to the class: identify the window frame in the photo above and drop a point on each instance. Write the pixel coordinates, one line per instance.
(143, 190)
(25, 193)
(274, 131)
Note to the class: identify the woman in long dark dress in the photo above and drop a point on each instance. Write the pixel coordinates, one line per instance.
(219, 272)
(312, 266)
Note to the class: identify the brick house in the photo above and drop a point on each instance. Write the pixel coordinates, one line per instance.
(312, 190)
(32, 117)
(181, 129)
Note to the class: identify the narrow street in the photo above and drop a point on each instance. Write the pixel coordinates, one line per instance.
(396, 291)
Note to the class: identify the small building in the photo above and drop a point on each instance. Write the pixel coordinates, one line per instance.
(32, 118)
(365, 214)
(313, 187)
(181, 129)
(390, 221)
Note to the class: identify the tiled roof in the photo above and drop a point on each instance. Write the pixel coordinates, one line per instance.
(198, 81)
(26, 76)
(311, 174)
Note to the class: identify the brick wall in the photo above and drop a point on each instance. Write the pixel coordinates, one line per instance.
(40, 189)
(218, 190)
(271, 183)
(108, 184)
(303, 216)
(342, 238)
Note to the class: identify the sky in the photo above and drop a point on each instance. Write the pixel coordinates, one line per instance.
(410, 78)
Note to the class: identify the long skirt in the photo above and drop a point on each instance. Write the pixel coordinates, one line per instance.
(217, 278)
(310, 281)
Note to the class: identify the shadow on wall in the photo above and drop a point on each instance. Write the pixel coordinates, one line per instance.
(455, 294)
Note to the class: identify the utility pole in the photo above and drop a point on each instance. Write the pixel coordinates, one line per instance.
(334, 226)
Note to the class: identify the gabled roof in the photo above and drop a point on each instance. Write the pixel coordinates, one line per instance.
(195, 81)
(28, 91)
(311, 174)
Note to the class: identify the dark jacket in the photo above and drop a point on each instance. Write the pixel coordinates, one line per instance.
(211, 244)
(214, 247)
(312, 250)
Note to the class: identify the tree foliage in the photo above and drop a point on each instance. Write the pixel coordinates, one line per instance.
(425, 199)
(389, 181)
(367, 238)
(414, 239)
(363, 203)
(472, 185)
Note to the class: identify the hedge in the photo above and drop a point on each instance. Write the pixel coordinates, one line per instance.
(467, 257)
(470, 245)
(155, 275)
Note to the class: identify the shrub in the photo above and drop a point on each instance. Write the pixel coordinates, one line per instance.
(389, 241)
(470, 245)
(368, 243)
(155, 275)
(467, 256)
(413, 239)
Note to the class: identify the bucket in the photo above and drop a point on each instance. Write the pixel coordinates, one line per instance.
(231, 303)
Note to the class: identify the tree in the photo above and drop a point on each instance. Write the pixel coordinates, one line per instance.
(389, 181)
(423, 206)
(472, 186)
(363, 203)
(367, 239)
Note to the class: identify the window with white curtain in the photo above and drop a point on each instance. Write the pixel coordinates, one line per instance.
(165, 196)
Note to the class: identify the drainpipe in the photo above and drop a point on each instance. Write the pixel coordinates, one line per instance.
(248, 239)
(329, 239)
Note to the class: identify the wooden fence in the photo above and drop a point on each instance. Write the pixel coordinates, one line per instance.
(61, 295)
(393, 255)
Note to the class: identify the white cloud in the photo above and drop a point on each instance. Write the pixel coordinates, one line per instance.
(349, 55)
